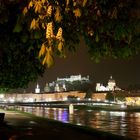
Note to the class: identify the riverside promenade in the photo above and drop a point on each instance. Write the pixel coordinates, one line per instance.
(22, 126)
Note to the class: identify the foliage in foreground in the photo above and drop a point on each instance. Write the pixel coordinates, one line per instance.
(47, 28)
(109, 27)
(19, 63)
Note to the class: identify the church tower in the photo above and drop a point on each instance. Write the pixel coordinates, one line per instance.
(47, 88)
(111, 84)
(37, 89)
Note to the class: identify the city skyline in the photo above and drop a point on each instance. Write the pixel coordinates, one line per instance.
(125, 72)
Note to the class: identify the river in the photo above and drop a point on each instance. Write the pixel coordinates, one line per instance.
(121, 123)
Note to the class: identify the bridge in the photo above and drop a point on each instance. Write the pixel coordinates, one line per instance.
(56, 103)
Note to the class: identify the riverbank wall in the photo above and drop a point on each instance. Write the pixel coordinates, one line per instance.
(29, 97)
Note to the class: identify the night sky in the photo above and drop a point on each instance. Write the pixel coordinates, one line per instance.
(125, 72)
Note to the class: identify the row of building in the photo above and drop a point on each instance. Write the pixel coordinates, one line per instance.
(61, 93)
(61, 85)
(129, 99)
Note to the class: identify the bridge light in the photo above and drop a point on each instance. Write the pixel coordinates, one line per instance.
(78, 99)
(65, 99)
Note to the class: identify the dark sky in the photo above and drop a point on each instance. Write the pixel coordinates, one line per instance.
(125, 72)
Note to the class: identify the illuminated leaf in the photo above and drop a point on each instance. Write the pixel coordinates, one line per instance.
(58, 16)
(25, 10)
(77, 12)
(42, 50)
(41, 17)
(44, 60)
(60, 46)
(30, 4)
(43, 26)
(59, 34)
(34, 24)
(84, 2)
(49, 60)
(67, 2)
(49, 10)
(74, 3)
(37, 7)
(49, 30)
(43, 1)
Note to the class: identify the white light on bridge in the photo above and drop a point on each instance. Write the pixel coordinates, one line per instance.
(65, 99)
(78, 99)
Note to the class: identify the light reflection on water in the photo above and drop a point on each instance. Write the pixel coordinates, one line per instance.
(122, 123)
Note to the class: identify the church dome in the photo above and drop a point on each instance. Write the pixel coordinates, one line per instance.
(111, 80)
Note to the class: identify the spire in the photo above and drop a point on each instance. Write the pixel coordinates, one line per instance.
(37, 89)
(37, 86)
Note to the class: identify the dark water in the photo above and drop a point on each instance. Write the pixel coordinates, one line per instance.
(121, 123)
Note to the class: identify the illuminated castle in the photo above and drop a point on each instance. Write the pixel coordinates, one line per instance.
(74, 78)
(62, 84)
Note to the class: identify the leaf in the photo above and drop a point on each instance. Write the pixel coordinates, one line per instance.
(60, 46)
(43, 1)
(49, 10)
(49, 60)
(58, 16)
(49, 30)
(43, 25)
(34, 24)
(30, 4)
(44, 60)
(59, 34)
(42, 50)
(37, 7)
(17, 28)
(25, 10)
(77, 12)
(24, 38)
(74, 3)
(114, 13)
(98, 13)
(67, 2)
(129, 38)
(37, 35)
(97, 38)
(84, 2)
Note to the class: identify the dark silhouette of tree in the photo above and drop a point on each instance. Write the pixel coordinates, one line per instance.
(19, 63)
